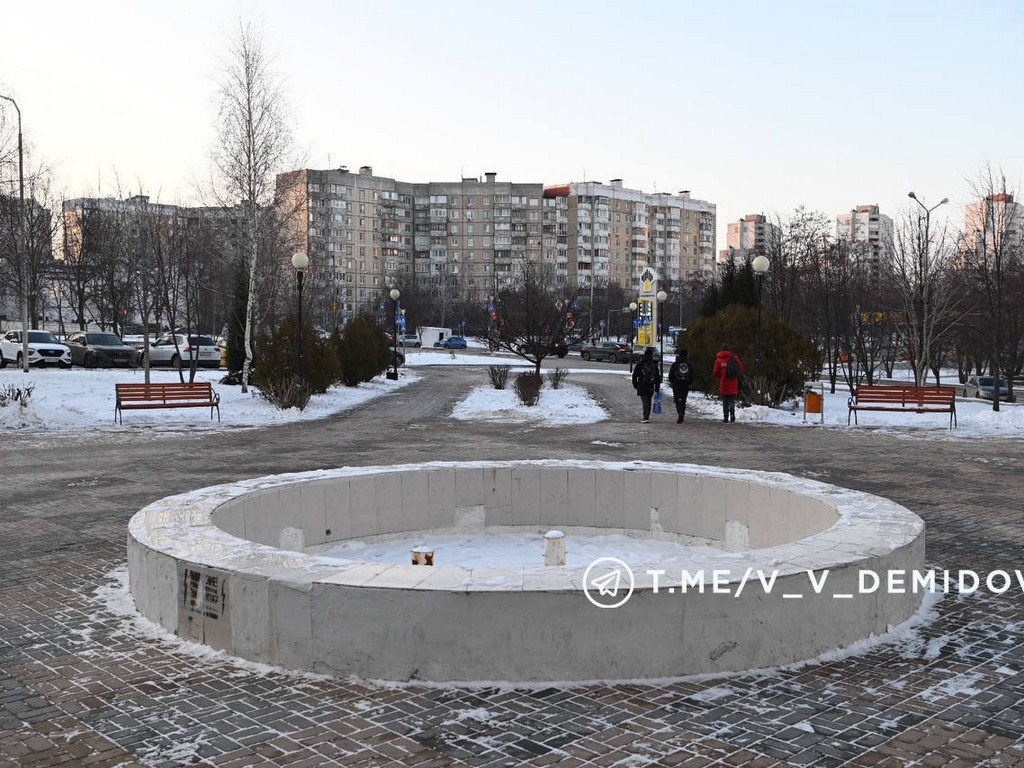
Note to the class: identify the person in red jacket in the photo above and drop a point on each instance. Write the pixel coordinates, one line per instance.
(728, 369)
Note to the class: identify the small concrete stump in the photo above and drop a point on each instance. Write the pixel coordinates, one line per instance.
(422, 556)
(554, 548)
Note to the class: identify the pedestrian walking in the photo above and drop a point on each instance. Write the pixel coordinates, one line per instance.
(647, 380)
(680, 376)
(728, 369)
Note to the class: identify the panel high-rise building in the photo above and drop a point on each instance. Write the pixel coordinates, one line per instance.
(994, 222)
(869, 232)
(366, 233)
(750, 236)
(613, 233)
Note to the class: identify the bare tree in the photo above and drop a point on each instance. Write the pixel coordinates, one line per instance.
(252, 144)
(532, 314)
(991, 254)
(926, 298)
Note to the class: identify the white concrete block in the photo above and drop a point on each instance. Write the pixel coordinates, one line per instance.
(388, 502)
(362, 491)
(582, 497)
(610, 500)
(338, 510)
(554, 497)
(638, 500)
(442, 497)
(312, 517)
(415, 501)
(526, 496)
(469, 486)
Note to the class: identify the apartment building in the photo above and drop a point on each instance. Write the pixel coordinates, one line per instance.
(748, 237)
(994, 222)
(613, 233)
(466, 239)
(870, 233)
(136, 224)
(365, 233)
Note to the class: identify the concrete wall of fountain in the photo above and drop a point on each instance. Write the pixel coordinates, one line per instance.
(209, 566)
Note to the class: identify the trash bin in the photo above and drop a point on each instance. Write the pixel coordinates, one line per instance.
(812, 402)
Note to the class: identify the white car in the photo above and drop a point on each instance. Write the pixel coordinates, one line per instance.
(43, 349)
(178, 349)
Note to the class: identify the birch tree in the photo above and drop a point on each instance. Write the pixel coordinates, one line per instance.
(253, 139)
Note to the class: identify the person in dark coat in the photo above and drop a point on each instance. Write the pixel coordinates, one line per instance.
(647, 380)
(728, 385)
(680, 376)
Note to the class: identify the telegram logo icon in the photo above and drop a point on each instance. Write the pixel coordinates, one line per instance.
(608, 582)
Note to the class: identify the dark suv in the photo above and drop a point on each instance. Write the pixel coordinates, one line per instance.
(558, 348)
(612, 351)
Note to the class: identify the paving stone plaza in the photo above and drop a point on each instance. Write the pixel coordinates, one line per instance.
(84, 683)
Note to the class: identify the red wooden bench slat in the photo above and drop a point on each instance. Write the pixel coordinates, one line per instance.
(894, 397)
(198, 394)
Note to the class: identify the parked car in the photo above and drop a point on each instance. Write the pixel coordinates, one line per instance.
(409, 340)
(558, 348)
(178, 349)
(612, 351)
(452, 342)
(43, 349)
(638, 352)
(91, 349)
(986, 387)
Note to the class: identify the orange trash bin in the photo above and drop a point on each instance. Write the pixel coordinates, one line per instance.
(812, 402)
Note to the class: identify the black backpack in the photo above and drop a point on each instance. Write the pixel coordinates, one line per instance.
(649, 373)
(732, 368)
(684, 373)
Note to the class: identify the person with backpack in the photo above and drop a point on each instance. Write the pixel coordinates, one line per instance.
(647, 380)
(680, 376)
(728, 370)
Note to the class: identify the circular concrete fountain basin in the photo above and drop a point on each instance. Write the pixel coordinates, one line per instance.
(227, 566)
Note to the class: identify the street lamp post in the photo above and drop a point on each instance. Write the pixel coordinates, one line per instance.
(760, 266)
(300, 261)
(632, 331)
(920, 300)
(660, 325)
(395, 294)
(23, 278)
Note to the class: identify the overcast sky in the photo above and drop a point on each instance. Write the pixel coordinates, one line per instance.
(755, 106)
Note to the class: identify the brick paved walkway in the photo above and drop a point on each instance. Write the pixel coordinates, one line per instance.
(81, 684)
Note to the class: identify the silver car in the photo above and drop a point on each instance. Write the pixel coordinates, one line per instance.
(179, 349)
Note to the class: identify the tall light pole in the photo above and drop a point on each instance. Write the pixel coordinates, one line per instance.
(395, 294)
(300, 261)
(23, 268)
(632, 331)
(760, 266)
(660, 325)
(923, 286)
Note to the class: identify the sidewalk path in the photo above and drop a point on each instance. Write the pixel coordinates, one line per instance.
(79, 687)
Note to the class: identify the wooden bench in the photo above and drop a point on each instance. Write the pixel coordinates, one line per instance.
(198, 394)
(897, 397)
